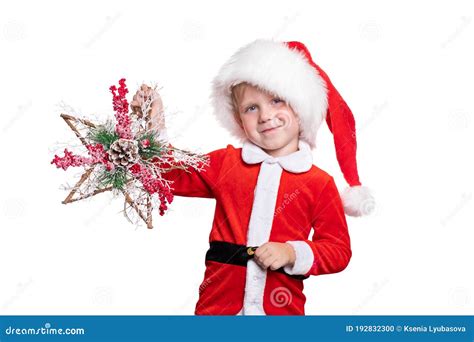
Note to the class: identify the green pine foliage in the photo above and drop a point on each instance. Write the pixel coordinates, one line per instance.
(153, 150)
(103, 135)
(116, 178)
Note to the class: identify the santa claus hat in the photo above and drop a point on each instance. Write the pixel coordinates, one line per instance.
(287, 70)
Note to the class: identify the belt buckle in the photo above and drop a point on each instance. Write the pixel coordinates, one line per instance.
(251, 250)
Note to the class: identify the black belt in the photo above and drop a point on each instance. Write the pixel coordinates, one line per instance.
(231, 253)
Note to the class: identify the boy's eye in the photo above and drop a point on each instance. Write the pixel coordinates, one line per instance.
(277, 100)
(250, 108)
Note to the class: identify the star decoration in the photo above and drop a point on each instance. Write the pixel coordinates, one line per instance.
(129, 156)
(144, 213)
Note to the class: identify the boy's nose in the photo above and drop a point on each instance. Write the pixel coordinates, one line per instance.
(266, 114)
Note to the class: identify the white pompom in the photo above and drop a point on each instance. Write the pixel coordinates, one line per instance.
(357, 201)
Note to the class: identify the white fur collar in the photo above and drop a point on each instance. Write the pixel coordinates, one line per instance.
(296, 162)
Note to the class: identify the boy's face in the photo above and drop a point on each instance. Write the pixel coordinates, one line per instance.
(267, 120)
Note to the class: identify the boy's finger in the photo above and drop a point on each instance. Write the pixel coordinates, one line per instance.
(135, 102)
(265, 254)
(262, 264)
(269, 261)
(261, 249)
(276, 265)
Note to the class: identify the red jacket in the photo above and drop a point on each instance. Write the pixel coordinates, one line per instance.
(304, 200)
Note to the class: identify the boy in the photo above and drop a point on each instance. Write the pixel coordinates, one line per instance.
(268, 193)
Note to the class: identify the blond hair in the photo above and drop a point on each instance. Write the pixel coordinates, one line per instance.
(237, 92)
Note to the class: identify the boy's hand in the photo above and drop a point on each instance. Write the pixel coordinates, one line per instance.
(156, 117)
(275, 255)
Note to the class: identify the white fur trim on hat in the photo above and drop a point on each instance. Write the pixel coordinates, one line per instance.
(282, 71)
(357, 201)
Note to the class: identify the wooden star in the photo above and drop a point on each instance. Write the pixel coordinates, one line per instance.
(145, 214)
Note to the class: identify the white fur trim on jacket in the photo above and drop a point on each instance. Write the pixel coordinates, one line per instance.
(263, 209)
(259, 229)
(357, 201)
(304, 258)
(282, 71)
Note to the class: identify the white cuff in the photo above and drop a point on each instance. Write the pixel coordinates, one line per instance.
(304, 258)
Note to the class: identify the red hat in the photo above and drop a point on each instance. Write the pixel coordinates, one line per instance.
(287, 69)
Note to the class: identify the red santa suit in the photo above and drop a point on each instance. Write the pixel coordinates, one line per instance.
(261, 198)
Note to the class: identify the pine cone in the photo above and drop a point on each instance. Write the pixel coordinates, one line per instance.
(124, 152)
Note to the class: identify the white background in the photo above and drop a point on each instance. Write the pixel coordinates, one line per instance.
(405, 69)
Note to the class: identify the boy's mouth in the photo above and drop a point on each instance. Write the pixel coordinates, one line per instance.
(272, 126)
(271, 129)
